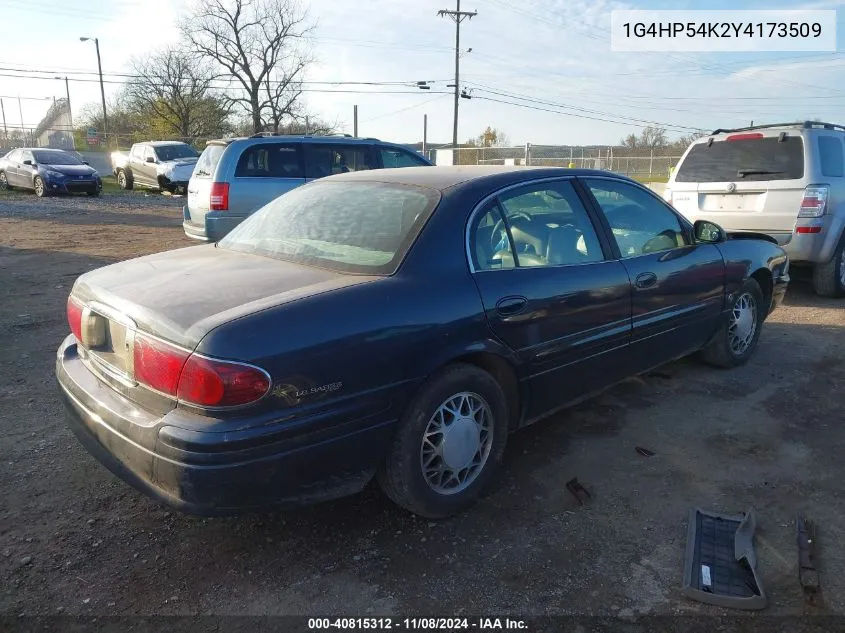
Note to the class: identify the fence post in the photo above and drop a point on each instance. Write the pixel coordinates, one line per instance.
(650, 162)
(528, 153)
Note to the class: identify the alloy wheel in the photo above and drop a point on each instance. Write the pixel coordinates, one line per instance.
(39, 187)
(4, 184)
(456, 443)
(743, 324)
(121, 180)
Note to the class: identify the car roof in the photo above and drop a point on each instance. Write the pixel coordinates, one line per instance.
(163, 143)
(445, 177)
(302, 138)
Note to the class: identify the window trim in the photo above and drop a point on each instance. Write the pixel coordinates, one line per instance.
(481, 205)
(686, 226)
(300, 156)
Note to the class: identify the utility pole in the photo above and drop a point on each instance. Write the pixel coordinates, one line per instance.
(355, 121)
(5, 129)
(458, 16)
(425, 132)
(102, 89)
(20, 111)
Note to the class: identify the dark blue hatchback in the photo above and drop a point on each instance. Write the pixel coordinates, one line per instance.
(396, 324)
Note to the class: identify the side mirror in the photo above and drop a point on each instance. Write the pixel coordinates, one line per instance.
(150, 159)
(27, 162)
(85, 162)
(709, 232)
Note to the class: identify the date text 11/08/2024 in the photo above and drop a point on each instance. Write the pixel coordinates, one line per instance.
(418, 624)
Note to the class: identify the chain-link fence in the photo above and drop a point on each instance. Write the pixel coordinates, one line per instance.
(643, 164)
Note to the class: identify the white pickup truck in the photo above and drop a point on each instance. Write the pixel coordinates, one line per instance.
(163, 165)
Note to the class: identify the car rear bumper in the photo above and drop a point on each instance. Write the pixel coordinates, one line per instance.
(818, 247)
(211, 473)
(212, 229)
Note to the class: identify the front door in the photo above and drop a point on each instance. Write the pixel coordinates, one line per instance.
(677, 285)
(551, 293)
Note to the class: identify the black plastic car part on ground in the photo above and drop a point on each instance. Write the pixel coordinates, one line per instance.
(399, 323)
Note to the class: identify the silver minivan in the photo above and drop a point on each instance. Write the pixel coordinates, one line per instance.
(233, 178)
(784, 180)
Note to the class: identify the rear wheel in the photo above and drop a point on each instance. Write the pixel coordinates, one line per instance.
(40, 189)
(829, 278)
(4, 184)
(124, 181)
(737, 338)
(448, 444)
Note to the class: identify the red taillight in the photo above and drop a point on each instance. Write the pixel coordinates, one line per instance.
(194, 379)
(74, 317)
(211, 383)
(744, 137)
(158, 365)
(808, 229)
(219, 200)
(814, 201)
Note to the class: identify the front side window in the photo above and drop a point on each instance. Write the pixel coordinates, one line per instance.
(641, 224)
(149, 153)
(490, 247)
(174, 152)
(270, 160)
(391, 157)
(352, 227)
(327, 160)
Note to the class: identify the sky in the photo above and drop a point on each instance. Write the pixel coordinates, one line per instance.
(550, 60)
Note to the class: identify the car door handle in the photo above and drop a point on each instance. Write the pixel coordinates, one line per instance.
(509, 306)
(645, 280)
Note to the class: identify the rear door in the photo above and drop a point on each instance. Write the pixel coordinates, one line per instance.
(748, 181)
(13, 163)
(550, 291)
(199, 187)
(264, 171)
(325, 159)
(677, 285)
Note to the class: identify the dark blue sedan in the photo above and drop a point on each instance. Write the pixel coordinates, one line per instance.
(396, 324)
(48, 172)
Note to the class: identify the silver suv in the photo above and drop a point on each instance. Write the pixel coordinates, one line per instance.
(785, 180)
(233, 178)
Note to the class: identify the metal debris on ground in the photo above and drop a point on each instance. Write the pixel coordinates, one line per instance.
(644, 451)
(808, 575)
(577, 490)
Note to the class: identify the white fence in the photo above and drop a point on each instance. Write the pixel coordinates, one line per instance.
(643, 164)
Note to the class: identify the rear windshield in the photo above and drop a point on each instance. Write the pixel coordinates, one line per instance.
(208, 160)
(352, 227)
(746, 159)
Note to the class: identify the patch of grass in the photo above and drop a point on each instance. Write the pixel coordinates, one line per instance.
(110, 184)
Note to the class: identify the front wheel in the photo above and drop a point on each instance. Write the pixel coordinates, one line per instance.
(829, 278)
(737, 338)
(448, 444)
(123, 181)
(40, 189)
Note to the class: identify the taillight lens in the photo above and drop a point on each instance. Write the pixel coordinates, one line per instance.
(195, 379)
(211, 383)
(157, 364)
(74, 317)
(814, 203)
(219, 200)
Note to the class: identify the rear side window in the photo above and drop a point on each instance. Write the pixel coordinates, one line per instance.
(270, 160)
(327, 160)
(744, 159)
(830, 153)
(399, 158)
(208, 161)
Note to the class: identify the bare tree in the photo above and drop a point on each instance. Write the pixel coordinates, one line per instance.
(256, 43)
(175, 87)
(653, 137)
(630, 142)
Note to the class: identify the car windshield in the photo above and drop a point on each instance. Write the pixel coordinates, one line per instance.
(172, 152)
(352, 227)
(54, 158)
(744, 159)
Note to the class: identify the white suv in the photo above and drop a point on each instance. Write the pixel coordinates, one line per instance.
(785, 180)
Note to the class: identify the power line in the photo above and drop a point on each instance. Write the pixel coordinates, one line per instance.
(410, 107)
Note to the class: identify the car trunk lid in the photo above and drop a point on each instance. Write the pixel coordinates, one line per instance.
(747, 182)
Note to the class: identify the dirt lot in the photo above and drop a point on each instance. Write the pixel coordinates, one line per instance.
(75, 540)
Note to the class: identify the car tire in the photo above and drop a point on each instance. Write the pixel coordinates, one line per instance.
(829, 278)
(124, 181)
(737, 337)
(4, 184)
(479, 435)
(40, 187)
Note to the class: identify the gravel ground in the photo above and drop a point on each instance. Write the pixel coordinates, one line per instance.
(75, 540)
